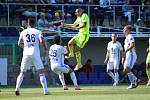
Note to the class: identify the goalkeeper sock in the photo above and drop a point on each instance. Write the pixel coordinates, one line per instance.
(148, 73)
(78, 58)
(19, 81)
(71, 54)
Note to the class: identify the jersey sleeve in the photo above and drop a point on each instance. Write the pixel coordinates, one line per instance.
(108, 46)
(77, 21)
(131, 39)
(40, 34)
(84, 18)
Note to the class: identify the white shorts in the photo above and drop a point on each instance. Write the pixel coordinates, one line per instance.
(30, 60)
(58, 69)
(130, 59)
(113, 65)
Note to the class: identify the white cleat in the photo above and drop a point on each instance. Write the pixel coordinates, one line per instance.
(131, 86)
(47, 93)
(148, 83)
(115, 84)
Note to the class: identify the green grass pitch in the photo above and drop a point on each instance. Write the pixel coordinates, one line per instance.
(93, 92)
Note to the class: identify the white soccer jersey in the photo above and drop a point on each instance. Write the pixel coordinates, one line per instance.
(31, 38)
(129, 39)
(56, 54)
(114, 49)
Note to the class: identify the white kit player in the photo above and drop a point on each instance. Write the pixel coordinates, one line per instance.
(114, 51)
(29, 40)
(130, 56)
(56, 55)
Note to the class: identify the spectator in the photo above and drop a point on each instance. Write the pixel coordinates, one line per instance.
(29, 12)
(88, 66)
(127, 10)
(43, 24)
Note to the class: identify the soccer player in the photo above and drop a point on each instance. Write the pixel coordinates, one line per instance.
(130, 54)
(114, 50)
(29, 40)
(148, 64)
(56, 55)
(82, 24)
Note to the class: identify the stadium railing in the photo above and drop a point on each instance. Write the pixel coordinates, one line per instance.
(10, 11)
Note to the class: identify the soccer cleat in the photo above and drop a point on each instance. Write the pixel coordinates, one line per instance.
(17, 93)
(115, 84)
(77, 87)
(137, 83)
(46, 93)
(77, 67)
(148, 83)
(65, 87)
(132, 86)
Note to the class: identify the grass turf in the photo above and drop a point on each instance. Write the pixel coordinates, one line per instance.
(87, 93)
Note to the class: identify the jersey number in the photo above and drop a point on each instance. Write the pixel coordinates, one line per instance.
(30, 38)
(53, 53)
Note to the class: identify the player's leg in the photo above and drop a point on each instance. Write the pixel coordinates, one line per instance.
(78, 58)
(148, 73)
(128, 65)
(40, 69)
(71, 48)
(116, 67)
(62, 80)
(148, 69)
(109, 68)
(74, 79)
(81, 39)
(25, 65)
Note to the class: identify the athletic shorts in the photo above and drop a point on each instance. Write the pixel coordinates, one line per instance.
(81, 39)
(130, 59)
(148, 59)
(30, 60)
(58, 69)
(113, 65)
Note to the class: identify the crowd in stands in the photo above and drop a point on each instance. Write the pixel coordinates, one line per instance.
(126, 14)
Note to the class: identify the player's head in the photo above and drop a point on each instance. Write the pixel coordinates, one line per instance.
(32, 22)
(127, 29)
(79, 12)
(57, 39)
(113, 37)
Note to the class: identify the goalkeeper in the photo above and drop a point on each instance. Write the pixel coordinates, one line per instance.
(79, 40)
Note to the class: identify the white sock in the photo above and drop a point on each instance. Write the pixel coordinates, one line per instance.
(73, 78)
(132, 77)
(111, 75)
(116, 76)
(19, 81)
(62, 80)
(43, 82)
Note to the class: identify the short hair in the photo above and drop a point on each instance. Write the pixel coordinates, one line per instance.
(129, 27)
(32, 22)
(115, 34)
(56, 39)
